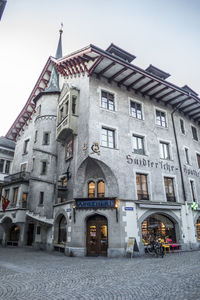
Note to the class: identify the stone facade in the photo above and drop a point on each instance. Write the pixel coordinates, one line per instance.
(148, 165)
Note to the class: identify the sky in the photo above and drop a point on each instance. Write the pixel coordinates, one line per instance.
(158, 32)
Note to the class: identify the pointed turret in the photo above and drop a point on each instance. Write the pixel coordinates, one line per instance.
(53, 85)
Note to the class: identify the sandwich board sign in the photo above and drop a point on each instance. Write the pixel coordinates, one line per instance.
(130, 245)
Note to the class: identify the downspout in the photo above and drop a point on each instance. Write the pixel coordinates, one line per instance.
(177, 149)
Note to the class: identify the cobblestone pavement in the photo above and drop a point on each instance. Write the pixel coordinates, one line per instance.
(29, 274)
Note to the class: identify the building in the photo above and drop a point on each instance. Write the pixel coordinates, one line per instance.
(104, 151)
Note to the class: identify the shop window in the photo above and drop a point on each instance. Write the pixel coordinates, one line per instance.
(91, 189)
(169, 189)
(69, 150)
(100, 189)
(187, 156)
(164, 150)
(25, 150)
(15, 195)
(182, 126)
(74, 99)
(1, 165)
(161, 118)
(46, 138)
(136, 110)
(41, 201)
(138, 144)
(198, 229)
(192, 190)
(43, 167)
(142, 187)
(7, 168)
(107, 101)
(194, 133)
(108, 138)
(198, 160)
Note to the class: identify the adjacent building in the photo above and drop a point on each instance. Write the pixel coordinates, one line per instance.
(104, 151)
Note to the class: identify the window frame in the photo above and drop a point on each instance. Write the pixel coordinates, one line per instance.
(46, 142)
(3, 165)
(107, 140)
(41, 199)
(166, 120)
(133, 101)
(162, 153)
(142, 138)
(107, 106)
(26, 144)
(182, 126)
(194, 133)
(192, 189)
(169, 198)
(144, 195)
(43, 170)
(198, 160)
(187, 159)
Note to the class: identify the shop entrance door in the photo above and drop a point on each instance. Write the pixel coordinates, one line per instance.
(97, 236)
(30, 234)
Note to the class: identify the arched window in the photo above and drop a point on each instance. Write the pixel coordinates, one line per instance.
(91, 189)
(62, 233)
(100, 189)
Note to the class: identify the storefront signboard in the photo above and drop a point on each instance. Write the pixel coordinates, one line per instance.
(104, 203)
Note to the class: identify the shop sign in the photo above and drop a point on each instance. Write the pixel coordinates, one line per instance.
(194, 206)
(68, 210)
(128, 208)
(106, 203)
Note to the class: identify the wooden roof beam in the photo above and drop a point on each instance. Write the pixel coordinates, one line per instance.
(165, 95)
(177, 103)
(174, 98)
(79, 64)
(158, 92)
(151, 88)
(117, 74)
(74, 65)
(126, 78)
(106, 68)
(66, 66)
(191, 110)
(84, 66)
(144, 85)
(195, 114)
(135, 82)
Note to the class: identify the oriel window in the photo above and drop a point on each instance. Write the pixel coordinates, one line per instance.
(136, 110)
(107, 101)
(142, 187)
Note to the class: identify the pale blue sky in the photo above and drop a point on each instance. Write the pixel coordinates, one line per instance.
(158, 32)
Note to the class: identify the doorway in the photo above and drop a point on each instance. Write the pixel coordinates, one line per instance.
(97, 236)
(30, 234)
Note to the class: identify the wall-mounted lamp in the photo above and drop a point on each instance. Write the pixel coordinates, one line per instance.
(74, 213)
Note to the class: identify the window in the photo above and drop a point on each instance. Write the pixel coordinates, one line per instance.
(61, 114)
(46, 138)
(142, 187)
(26, 146)
(74, 105)
(108, 138)
(7, 192)
(67, 108)
(24, 200)
(35, 139)
(136, 110)
(161, 118)
(44, 168)
(91, 189)
(23, 167)
(198, 160)
(69, 150)
(164, 150)
(100, 189)
(138, 144)
(15, 195)
(187, 156)
(192, 190)
(1, 165)
(182, 126)
(38, 230)
(194, 133)
(38, 110)
(33, 163)
(107, 100)
(41, 202)
(7, 168)
(169, 189)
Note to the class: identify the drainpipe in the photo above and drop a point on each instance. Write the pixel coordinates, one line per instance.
(177, 149)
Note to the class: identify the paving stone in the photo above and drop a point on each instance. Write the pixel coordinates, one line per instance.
(36, 275)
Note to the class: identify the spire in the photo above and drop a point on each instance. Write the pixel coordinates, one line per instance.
(59, 48)
(53, 85)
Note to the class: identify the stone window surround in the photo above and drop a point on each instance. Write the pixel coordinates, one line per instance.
(183, 122)
(137, 136)
(115, 129)
(170, 149)
(193, 194)
(195, 130)
(96, 181)
(45, 143)
(101, 89)
(166, 118)
(174, 185)
(142, 108)
(149, 182)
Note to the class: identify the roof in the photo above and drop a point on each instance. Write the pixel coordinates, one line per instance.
(114, 65)
(6, 143)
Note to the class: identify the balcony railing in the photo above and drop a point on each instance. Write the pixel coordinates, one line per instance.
(142, 196)
(171, 198)
(20, 176)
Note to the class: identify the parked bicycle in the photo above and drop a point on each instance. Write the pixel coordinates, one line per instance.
(155, 248)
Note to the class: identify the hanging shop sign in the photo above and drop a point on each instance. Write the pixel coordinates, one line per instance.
(95, 148)
(104, 203)
(150, 164)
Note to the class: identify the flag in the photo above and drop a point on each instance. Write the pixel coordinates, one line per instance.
(5, 203)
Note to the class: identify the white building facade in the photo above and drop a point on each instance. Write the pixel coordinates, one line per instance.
(105, 151)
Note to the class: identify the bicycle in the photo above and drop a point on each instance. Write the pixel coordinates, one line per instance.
(155, 249)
